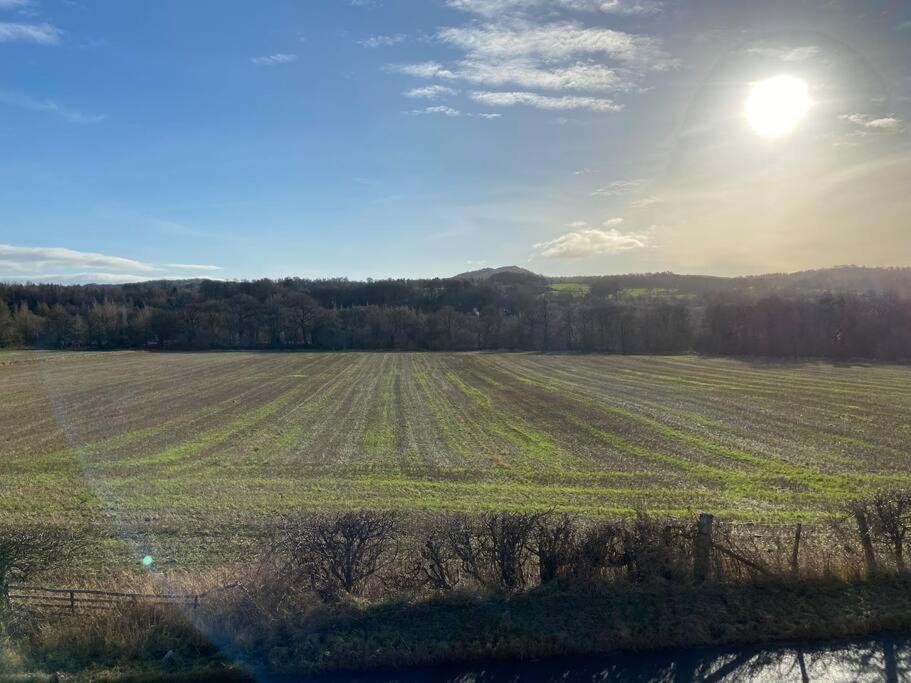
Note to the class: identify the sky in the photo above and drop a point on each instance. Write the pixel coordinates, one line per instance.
(158, 139)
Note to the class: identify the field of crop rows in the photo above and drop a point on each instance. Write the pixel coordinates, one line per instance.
(186, 455)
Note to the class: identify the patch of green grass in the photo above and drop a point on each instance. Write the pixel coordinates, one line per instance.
(576, 289)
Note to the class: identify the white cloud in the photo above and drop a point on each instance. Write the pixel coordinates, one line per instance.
(273, 60)
(590, 242)
(523, 56)
(46, 264)
(490, 116)
(522, 72)
(508, 99)
(430, 92)
(645, 202)
(616, 188)
(883, 123)
(383, 41)
(493, 8)
(612, 222)
(76, 278)
(564, 40)
(446, 111)
(100, 278)
(577, 224)
(190, 266)
(13, 4)
(33, 104)
(18, 258)
(785, 54)
(43, 34)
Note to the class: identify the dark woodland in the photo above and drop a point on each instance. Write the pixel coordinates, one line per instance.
(839, 313)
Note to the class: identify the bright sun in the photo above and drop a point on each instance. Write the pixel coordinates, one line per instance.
(776, 105)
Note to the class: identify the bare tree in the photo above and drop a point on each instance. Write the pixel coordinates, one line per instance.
(439, 565)
(554, 544)
(494, 550)
(27, 550)
(890, 518)
(339, 553)
(600, 546)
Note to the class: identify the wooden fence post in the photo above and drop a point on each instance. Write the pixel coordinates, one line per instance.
(702, 548)
(72, 602)
(866, 541)
(795, 551)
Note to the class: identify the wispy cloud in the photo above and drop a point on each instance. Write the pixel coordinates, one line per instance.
(60, 264)
(618, 187)
(274, 60)
(522, 57)
(494, 8)
(75, 278)
(563, 40)
(14, 4)
(50, 106)
(38, 258)
(590, 242)
(785, 54)
(430, 92)
(383, 41)
(95, 278)
(566, 102)
(43, 34)
(190, 266)
(446, 111)
(525, 72)
(888, 123)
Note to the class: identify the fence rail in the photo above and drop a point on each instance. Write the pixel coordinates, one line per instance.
(72, 599)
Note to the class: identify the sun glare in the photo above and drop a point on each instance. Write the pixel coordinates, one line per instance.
(775, 106)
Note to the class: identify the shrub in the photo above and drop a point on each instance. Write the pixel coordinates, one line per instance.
(340, 553)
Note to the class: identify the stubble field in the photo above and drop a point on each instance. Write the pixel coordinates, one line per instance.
(191, 457)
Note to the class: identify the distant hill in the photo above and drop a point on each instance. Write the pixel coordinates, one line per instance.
(487, 273)
(837, 280)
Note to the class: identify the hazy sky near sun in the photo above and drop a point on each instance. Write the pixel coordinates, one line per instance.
(183, 138)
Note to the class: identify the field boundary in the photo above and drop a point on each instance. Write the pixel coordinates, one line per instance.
(71, 599)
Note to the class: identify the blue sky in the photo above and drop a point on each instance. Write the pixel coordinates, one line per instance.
(318, 138)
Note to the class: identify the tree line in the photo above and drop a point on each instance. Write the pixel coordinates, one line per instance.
(508, 311)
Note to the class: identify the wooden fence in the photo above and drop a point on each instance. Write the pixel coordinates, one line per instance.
(72, 599)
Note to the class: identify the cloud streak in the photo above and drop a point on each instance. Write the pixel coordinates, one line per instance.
(50, 106)
(888, 123)
(494, 8)
(564, 103)
(48, 264)
(441, 109)
(523, 57)
(274, 60)
(785, 54)
(42, 34)
(430, 92)
(374, 42)
(42, 257)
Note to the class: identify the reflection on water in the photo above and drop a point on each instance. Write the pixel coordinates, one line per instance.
(879, 659)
